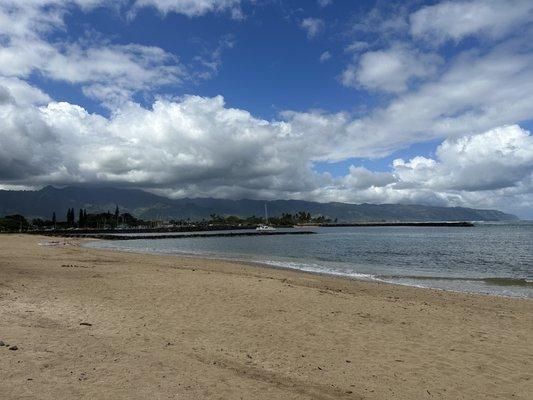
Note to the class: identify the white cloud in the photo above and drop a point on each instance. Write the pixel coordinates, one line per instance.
(193, 8)
(438, 96)
(105, 71)
(121, 69)
(490, 170)
(497, 159)
(474, 94)
(209, 61)
(360, 178)
(390, 69)
(313, 26)
(24, 93)
(386, 20)
(324, 3)
(356, 46)
(325, 56)
(455, 20)
(195, 143)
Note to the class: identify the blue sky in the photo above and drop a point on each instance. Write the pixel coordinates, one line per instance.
(359, 101)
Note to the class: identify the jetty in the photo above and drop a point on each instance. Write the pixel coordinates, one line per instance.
(444, 224)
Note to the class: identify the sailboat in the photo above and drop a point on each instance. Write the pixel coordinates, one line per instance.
(265, 226)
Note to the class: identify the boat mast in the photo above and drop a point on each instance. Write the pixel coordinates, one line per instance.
(266, 214)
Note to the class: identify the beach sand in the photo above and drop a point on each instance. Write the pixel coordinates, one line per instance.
(163, 327)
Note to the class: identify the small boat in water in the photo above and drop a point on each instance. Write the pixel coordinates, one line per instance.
(266, 226)
(263, 227)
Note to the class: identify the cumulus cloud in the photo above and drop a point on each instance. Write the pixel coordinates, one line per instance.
(455, 20)
(25, 141)
(313, 26)
(491, 169)
(390, 69)
(192, 142)
(197, 146)
(497, 159)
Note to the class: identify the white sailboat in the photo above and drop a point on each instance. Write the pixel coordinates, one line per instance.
(266, 226)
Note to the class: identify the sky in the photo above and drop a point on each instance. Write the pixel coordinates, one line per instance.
(408, 102)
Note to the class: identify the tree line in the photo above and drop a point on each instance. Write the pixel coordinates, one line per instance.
(108, 220)
(81, 220)
(285, 219)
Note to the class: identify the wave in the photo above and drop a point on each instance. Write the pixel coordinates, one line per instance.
(316, 268)
(497, 281)
(509, 282)
(321, 269)
(401, 279)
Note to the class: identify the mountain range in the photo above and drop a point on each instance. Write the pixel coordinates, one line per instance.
(42, 203)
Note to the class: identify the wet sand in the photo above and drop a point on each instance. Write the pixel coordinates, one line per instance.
(97, 324)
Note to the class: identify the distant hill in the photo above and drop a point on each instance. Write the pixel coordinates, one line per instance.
(42, 203)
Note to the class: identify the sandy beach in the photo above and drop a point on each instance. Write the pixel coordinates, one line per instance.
(97, 324)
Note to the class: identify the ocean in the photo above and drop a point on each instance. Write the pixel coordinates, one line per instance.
(490, 258)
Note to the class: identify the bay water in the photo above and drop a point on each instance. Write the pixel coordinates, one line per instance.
(490, 258)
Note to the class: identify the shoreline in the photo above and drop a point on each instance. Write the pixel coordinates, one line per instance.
(360, 277)
(101, 324)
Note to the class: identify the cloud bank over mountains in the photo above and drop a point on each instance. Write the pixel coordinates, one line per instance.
(472, 102)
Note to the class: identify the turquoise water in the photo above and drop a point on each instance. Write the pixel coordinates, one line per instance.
(488, 258)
